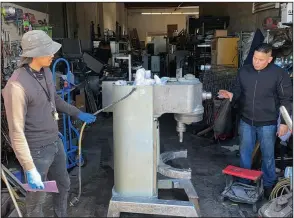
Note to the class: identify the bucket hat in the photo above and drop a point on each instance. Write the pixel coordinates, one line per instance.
(36, 43)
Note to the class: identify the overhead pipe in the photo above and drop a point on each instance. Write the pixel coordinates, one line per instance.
(258, 7)
(177, 8)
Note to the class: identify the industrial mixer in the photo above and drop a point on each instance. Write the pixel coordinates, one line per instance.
(137, 159)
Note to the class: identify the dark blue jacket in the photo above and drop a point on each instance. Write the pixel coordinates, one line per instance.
(261, 93)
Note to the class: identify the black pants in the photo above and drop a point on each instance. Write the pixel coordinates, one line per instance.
(50, 161)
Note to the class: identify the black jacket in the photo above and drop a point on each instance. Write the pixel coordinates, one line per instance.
(261, 93)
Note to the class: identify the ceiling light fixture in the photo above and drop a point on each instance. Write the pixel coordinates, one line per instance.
(166, 13)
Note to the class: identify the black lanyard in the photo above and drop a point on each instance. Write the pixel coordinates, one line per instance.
(34, 76)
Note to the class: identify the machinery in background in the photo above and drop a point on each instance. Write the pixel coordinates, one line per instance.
(155, 63)
(137, 158)
(110, 78)
(206, 23)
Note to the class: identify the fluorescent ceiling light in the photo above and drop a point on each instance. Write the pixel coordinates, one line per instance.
(166, 13)
(189, 7)
(190, 12)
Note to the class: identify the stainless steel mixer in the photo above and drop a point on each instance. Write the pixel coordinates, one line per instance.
(137, 159)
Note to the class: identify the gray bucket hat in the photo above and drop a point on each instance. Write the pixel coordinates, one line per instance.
(36, 43)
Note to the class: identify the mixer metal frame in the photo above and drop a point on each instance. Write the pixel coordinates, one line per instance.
(157, 206)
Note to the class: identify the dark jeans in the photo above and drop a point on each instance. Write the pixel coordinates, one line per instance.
(266, 135)
(50, 161)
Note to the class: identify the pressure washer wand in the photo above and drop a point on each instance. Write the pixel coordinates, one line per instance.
(286, 117)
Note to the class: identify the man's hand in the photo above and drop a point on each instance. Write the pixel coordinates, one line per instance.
(226, 94)
(283, 129)
(88, 118)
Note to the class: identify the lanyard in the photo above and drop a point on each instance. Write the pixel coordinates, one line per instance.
(54, 112)
(46, 92)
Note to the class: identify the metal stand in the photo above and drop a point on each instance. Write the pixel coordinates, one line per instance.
(157, 206)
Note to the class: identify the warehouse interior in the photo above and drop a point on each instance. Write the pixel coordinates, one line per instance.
(103, 43)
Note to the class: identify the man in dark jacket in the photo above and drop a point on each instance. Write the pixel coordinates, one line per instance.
(261, 88)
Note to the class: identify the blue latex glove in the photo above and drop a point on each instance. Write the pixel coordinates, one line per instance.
(88, 118)
(34, 179)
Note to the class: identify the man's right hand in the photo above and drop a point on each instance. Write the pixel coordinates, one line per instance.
(34, 179)
(226, 94)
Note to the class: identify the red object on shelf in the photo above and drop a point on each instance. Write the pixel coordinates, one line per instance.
(242, 173)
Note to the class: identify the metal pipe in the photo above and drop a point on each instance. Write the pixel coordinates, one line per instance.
(11, 193)
(178, 6)
(130, 68)
(286, 117)
(130, 64)
(263, 9)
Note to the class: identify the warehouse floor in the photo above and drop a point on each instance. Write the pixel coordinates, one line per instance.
(205, 159)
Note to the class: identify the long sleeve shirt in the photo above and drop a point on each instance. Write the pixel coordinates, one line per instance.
(29, 113)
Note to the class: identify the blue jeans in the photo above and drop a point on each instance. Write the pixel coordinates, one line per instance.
(266, 135)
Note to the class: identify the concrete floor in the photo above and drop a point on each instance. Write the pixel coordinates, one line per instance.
(205, 159)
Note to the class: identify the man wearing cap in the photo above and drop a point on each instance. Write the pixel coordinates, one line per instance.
(32, 107)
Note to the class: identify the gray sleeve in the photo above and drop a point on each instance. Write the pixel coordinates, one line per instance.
(64, 107)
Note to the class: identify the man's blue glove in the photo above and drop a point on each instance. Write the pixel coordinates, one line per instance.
(34, 179)
(88, 118)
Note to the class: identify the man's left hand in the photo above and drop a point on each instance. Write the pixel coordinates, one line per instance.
(88, 118)
(283, 129)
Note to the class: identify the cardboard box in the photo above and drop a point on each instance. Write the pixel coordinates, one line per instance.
(224, 51)
(221, 33)
(81, 101)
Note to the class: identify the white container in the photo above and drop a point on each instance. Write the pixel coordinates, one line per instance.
(287, 13)
(147, 74)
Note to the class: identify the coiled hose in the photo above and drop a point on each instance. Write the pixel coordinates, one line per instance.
(282, 187)
(76, 199)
